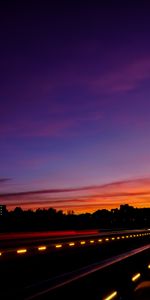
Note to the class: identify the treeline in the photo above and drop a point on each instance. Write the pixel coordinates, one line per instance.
(49, 219)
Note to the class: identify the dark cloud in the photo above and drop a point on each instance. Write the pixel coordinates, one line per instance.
(46, 191)
(3, 180)
(97, 188)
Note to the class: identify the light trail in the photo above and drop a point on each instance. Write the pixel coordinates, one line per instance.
(83, 272)
(62, 234)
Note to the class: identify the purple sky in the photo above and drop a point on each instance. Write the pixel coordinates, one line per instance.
(74, 104)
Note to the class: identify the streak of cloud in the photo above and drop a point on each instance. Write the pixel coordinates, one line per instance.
(4, 180)
(125, 191)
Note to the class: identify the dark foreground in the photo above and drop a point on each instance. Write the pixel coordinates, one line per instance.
(42, 275)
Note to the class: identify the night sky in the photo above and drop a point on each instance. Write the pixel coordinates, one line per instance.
(74, 104)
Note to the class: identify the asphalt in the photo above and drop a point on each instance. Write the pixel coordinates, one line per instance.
(25, 275)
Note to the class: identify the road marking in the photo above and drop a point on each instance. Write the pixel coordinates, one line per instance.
(136, 277)
(21, 251)
(82, 242)
(58, 246)
(71, 244)
(42, 248)
(83, 272)
(111, 296)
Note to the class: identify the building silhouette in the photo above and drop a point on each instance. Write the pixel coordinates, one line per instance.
(3, 210)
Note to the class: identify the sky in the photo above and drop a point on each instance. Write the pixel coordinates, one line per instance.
(74, 104)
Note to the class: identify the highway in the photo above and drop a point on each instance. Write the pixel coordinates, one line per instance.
(50, 265)
(9, 241)
(70, 277)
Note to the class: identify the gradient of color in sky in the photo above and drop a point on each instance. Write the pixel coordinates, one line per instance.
(75, 104)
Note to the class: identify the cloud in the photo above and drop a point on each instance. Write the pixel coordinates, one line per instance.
(120, 78)
(125, 79)
(4, 180)
(36, 128)
(99, 188)
(130, 191)
(58, 125)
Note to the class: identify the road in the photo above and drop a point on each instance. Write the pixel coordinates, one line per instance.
(66, 279)
(29, 239)
(28, 273)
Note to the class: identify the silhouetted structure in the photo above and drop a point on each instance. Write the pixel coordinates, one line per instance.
(126, 217)
(3, 210)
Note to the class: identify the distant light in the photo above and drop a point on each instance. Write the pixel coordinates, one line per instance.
(82, 242)
(118, 237)
(122, 237)
(111, 296)
(58, 246)
(71, 244)
(21, 251)
(113, 238)
(100, 240)
(92, 241)
(148, 266)
(135, 277)
(107, 239)
(42, 248)
(127, 236)
(0, 253)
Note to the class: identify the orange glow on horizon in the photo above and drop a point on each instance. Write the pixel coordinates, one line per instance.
(80, 209)
(110, 196)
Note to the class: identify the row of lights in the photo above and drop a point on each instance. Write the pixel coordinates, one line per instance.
(71, 244)
(133, 279)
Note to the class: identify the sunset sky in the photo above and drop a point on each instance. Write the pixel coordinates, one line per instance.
(75, 104)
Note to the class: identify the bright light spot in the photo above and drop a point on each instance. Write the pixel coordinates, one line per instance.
(58, 246)
(0, 253)
(148, 266)
(127, 236)
(113, 238)
(122, 237)
(71, 244)
(118, 237)
(42, 248)
(82, 242)
(20, 251)
(92, 241)
(107, 239)
(135, 277)
(111, 296)
(100, 240)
